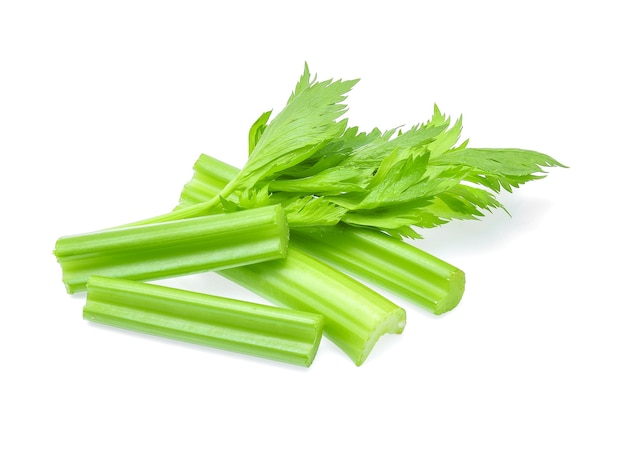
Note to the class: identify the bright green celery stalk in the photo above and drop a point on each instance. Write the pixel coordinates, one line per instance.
(174, 248)
(270, 332)
(355, 316)
(388, 262)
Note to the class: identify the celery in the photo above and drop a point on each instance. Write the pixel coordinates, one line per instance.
(174, 248)
(270, 332)
(328, 179)
(210, 176)
(355, 316)
(388, 262)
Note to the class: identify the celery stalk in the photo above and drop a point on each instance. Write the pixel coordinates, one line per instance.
(387, 262)
(390, 263)
(174, 248)
(270, 332)
(355, 316)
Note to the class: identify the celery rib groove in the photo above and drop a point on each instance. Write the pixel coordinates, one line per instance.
(264, 331)
(174, 248)
(355, 317)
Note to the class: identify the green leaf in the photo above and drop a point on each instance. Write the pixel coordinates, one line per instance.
(306, 124)
(257, 129)
(309, 211)
(497, 168)
(395, 182)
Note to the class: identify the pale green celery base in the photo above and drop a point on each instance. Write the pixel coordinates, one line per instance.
(387, 262)
(355, 317)
(243, 327)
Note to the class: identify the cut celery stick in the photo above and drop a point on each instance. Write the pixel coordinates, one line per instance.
(355, 316)
(174, 248)
(387, 262)
(270, 332)
(370, 255)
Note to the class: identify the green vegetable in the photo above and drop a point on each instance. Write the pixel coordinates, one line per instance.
(355, 316)
(324, 173)
(299, 131)
(174, 248)
(349, 198)
(394, 182)
(388, 262)
(270, 332)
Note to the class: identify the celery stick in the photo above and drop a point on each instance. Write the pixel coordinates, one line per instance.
(174, 248)
(355, 316)
(373, 256)
(270, 332)
(388, 262)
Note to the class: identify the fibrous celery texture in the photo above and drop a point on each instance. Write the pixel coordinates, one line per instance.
(387, 262)
(373, 256)
(355, 316)
(174, 248)
(270, 332)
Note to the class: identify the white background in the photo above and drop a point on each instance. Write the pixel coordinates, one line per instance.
(104, 107)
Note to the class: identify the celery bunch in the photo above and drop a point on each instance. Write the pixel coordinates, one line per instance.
(349, 199)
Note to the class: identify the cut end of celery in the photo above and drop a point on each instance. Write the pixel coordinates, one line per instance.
(319, 330)
(70, 289)
(453, 295)
(282, 227)
(393, 323)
